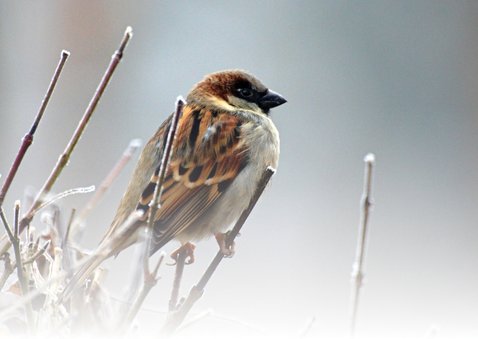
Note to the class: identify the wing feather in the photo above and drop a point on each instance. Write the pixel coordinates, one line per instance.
(208, 153)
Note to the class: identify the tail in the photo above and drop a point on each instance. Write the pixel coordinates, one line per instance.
(111, 245)
(80, 276)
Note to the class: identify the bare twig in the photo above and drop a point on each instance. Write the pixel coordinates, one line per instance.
(15, 241)
(168, 148)
(38, 253)
(357, 269)
(65, 156)
(110, 178)
(150, 280)
(28, 138)
(178, 275)
(176, 318)
(72, 191)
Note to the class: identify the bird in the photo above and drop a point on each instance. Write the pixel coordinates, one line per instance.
(225, 139)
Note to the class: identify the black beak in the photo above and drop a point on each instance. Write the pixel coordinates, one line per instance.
(269, 100)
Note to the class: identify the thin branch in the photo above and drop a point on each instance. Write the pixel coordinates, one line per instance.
(18, 258)
(357, 269)
(28, 138)
(65, 156)
(176, 318)
(110, 178)
(38, 253)
(64, 194)
(150, 280)
(168, 148)
(178, 275)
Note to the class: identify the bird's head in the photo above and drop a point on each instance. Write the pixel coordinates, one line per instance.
(235, 89)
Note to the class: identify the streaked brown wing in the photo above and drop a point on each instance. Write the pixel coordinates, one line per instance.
(208, 154)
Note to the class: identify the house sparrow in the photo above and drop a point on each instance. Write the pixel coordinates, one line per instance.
(225, 140)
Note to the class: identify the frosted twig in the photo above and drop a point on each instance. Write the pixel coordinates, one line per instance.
(65, 156)
(28, 138)
(357, 269)
(176, 318)
(38, 253)
(72, 191)
(15, 241)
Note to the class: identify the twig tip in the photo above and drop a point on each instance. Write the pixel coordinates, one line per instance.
(65, 53)
(128, 34)
(369, 158)
(129, 31)
(135, 143)
(180, 101)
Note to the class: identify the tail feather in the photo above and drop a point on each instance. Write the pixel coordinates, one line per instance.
(82, 275)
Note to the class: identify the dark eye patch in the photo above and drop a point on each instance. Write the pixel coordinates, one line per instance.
(243, 89)
(245, 93)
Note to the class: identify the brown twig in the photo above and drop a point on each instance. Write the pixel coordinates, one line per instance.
(109, 179)
(65, 156)
(357, 269)
(28, 138)
(176, 318)
(168, 148)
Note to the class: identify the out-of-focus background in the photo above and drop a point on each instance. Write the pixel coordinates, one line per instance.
(397, 78)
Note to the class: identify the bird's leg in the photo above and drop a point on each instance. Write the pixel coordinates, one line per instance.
(227, 250)
(187, 250)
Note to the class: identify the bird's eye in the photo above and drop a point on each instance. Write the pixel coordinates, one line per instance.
(246, 92)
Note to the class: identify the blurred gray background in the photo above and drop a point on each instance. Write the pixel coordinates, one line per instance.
(397, 78)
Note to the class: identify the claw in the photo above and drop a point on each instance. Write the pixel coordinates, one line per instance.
(186, 251)
(227, 250)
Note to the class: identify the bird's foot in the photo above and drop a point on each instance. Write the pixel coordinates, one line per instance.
(227, 250)
(185, 252)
